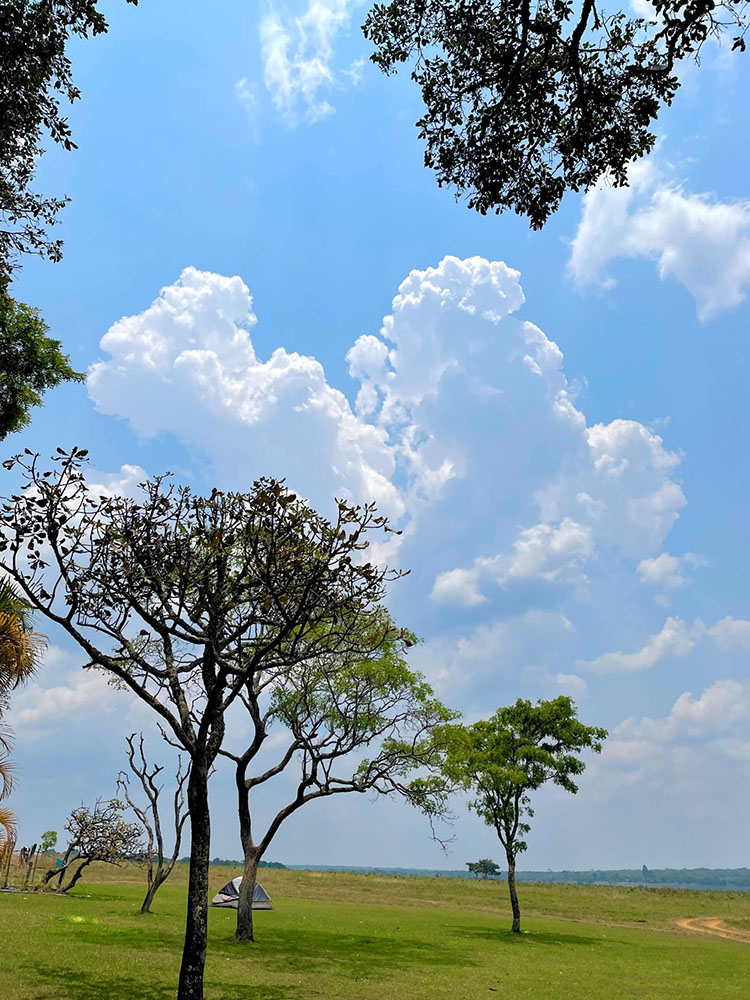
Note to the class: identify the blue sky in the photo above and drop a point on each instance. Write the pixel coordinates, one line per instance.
(574, 516)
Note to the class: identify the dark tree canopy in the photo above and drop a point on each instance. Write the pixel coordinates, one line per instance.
(527, 99)
(35, 75)
(485, 867)
(30, 362)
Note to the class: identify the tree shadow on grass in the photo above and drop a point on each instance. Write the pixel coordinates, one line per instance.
(278, 952)
(281, 949)
(110, 935)
(77, 985)
(359, 954)
(503, 936)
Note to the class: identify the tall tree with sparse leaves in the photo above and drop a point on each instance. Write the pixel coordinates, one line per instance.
(527, 99)
(183, 598)
(355, 719)
(501, 760)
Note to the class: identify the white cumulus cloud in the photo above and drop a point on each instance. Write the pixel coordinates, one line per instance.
(667, 571)
(675, 639)
(716, 711)
(695, 239)
(464, 427)
(572, 684)
(186, 365)
(731, 634)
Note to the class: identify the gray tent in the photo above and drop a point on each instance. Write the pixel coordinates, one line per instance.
(229, 895)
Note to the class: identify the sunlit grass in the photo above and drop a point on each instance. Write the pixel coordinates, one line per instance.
(358, 936)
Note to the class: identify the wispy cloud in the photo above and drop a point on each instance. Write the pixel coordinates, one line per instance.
(298, 57)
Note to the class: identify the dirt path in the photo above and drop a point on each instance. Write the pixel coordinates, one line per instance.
(715, 927)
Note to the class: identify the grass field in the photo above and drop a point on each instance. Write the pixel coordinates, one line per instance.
(375, 936)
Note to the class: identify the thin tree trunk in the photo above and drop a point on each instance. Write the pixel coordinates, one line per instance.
(245, 902)
(36, 862)
(79, 872)
(196, 926)
(153, 885)
(251, 857)
(516, 928)
(64, 867)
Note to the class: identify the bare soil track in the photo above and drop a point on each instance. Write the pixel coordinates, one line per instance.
(714, 927)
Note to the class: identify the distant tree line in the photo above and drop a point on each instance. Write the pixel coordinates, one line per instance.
(685, 878)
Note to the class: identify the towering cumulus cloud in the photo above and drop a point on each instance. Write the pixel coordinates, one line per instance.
(464, 427)
(187, 366)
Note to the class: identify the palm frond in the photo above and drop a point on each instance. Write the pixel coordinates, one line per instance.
(13, 603)
(7, 833)
(7, 770)
(21, 650)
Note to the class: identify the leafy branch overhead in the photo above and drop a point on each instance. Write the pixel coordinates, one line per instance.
(527, 100)
(35, 75)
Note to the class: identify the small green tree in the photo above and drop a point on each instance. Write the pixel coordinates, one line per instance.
(48, 841)
(484, 868)
(501, 760)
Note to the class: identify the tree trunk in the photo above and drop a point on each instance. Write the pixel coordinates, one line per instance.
(66, 861)
(244, 931)
(196, 926)
(153, 885)
(516, 928)
(77, 875)
(245, 902)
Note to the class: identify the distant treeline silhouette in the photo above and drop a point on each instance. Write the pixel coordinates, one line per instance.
(677, 878)
(233, 863)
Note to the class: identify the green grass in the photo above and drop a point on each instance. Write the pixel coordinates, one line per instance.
(739, 923)
(372, 936)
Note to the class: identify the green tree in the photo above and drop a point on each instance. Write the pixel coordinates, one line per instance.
(35, 74)
(30, 362)
(501, 760)
(525, 101)
(484, 868)
(48, 841)
(184, 599)
(357, 719)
